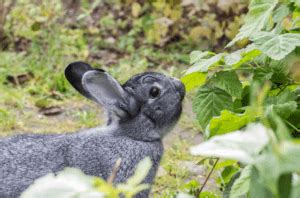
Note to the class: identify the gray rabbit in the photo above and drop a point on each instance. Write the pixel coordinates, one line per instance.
(140, 113)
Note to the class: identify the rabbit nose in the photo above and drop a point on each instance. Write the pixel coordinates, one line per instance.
(179, 87)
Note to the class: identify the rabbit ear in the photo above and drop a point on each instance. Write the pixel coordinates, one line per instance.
(102, 88)
(74, 73)
(108, 92)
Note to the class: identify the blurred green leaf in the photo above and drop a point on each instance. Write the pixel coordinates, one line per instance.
(241, 186)
(68, 183)
(243, 146)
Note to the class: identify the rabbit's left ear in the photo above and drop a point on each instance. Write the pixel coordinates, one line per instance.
(108, 92)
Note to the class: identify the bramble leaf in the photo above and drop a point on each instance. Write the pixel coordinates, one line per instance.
(193, 80)
(209, 102)
(276, 46)
(260, 12)
(229, 121)
(204, 61)
(229, 82)
(237, 58)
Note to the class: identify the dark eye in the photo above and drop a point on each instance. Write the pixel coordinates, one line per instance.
(154, 92)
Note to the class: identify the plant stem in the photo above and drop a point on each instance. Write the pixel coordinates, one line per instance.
(198, 192)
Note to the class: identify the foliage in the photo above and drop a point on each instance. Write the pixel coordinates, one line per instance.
(260, 87)
(72, 182)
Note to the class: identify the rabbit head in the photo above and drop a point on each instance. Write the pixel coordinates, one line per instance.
(146, 107)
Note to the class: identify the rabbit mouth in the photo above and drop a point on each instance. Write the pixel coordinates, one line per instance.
(149, 118)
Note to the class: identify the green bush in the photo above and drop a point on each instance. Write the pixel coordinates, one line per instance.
(256, 84)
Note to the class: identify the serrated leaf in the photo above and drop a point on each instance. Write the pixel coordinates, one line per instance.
(198, 55)
(242, 185)
(276, 46)
(229, 82)
(262, 74)
(284, 104)
(260, 12)
(243, 146)
(237, 58)
(203, 63)
(70, 182)
(209, 102)
(229, 121)
(193, 80)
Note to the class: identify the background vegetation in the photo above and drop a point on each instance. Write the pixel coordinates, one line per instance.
(254, 79)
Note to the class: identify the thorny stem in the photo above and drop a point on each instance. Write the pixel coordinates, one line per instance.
(198, 192)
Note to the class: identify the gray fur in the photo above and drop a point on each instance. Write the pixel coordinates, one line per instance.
(135, 128)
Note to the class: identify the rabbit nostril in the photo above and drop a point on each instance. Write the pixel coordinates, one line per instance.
(157, 108)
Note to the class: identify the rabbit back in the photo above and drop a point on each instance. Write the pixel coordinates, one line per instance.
(24, 158)
(97, 155)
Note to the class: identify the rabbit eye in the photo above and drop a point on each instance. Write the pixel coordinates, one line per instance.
(154, 92)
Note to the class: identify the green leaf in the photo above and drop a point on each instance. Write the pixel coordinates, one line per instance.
(237, 58)
(229, 82)
(258, 188)
(243, 146)
(198, 55)
(295, 186)
(140, 172)
(193, 80)
(284, 104)
(209, 102)
(262, 74)
(276, 46)
(208, 194)
(281, 12)
(260, 12)
(297, 2)
(285, 185)
(204, 61)
(241, 186)
(229, 121)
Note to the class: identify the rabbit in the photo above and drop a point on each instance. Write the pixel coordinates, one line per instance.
(140, 113)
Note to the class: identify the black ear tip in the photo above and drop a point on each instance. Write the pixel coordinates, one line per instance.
(78, 67)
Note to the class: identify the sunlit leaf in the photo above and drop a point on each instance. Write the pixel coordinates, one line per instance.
(257, 18)
(140, 172)
(193, 80)
(274, 45)
(204, 61)
(229, 121)
(237, 58)
(243, 146)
